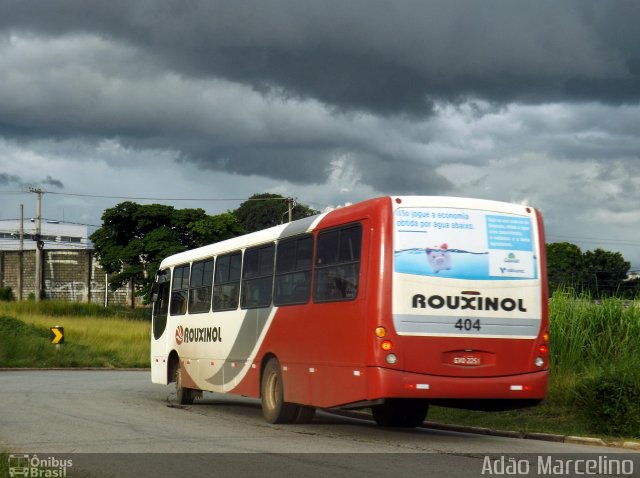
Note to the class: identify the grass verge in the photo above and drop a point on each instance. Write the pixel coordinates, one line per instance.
(94, 336)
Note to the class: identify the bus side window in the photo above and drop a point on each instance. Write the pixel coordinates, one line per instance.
(161, 302)
(257, 277)
(226, 281)
(338, 264)
(200, 286)
(179, 290)
(293, 271)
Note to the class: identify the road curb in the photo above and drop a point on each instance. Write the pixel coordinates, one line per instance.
(586, 441)
(550, 437)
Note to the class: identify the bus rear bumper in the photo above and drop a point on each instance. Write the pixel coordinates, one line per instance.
(388, 383)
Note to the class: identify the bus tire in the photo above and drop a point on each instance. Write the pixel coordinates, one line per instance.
(400, 412)
(274, 408)
(184, 396)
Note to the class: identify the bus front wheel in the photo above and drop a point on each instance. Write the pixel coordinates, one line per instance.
(274, 408)
(400, 412)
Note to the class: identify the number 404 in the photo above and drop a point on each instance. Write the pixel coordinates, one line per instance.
(468, 324)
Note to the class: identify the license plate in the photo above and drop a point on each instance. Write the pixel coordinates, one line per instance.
(466, 360)
(469, 358)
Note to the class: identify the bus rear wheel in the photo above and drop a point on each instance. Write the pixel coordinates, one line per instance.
(400, 412)
(184, 396)
(274, 408)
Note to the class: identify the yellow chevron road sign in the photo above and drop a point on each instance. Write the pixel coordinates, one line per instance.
(56, 335)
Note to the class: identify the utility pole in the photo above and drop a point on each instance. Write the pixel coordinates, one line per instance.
(39, 243)
(290, 208)
(21, 252)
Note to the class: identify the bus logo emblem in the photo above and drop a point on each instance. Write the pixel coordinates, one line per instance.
(179, 335)
(462, 302)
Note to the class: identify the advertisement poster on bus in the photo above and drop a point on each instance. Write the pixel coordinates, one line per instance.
(463, 244)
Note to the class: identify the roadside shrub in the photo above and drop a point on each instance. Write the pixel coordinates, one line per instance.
(585, 333)
(12, 327)
(6, 294)
(610, 400)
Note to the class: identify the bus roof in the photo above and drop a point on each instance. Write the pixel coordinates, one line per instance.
(307, 224)
(299, 226)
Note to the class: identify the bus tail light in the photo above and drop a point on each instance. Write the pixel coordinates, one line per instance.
(381, 332)
(543, 350)
(386, 345)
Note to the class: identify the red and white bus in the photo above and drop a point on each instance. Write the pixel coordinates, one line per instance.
(393, 303)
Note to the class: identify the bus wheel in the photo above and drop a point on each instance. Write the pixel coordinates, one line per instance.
(399, 412)
(274, 408)
(184, 396)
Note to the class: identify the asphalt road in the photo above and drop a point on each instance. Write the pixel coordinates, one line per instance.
(117, 423)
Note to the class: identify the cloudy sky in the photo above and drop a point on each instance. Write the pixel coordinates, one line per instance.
(330, 101)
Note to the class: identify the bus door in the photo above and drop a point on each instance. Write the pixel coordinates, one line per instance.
(160, 309)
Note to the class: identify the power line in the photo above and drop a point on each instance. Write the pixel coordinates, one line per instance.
(138, 198)
(622, 242)
(50, 220)
(164, 199)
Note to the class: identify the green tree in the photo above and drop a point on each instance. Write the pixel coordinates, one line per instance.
(134, 238)
(598, 272)
(605, 272)
(265, 210)
(565, 266)
(216, 228)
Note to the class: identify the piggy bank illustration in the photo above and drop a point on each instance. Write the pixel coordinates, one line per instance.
(439, 258)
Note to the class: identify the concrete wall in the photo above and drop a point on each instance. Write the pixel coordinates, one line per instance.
(68, 275)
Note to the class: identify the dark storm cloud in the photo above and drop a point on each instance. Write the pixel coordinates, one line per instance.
(7, 179)
(386, 57)
(12, 179)
(312, 164)
(56, 183)
(134, 71)
(401, 177)
(296, 164)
